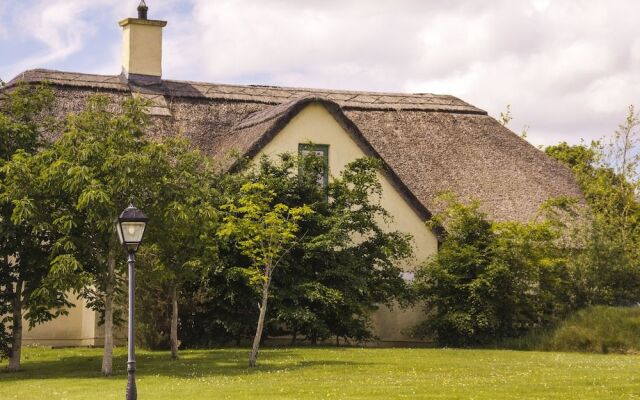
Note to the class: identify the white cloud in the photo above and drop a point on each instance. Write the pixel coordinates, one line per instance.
(540, 5)
(57, 25)
(569, 68)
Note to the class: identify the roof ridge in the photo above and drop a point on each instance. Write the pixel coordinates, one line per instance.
(55, 71)
(267, 94)
(314, 90)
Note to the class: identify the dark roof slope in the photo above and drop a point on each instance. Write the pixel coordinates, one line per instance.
(430, 143)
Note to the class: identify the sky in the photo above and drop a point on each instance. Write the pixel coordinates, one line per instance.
(569, 69)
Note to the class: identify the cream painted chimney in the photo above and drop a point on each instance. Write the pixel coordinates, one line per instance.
(142, 46)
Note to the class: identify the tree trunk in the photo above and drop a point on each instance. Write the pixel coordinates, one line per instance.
(294, 336)
(174, 323)
(16, 343)
(253, 358)
(107, 355)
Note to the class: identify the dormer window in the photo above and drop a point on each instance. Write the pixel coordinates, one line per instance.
(319, 150)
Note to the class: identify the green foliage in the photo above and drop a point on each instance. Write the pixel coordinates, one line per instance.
(340, 268)
(75, 187)
(27, 287)
(610, 232)
(597, 329)
(153, 309)
(506, 116)
(216, 301)
(495, 280)
(348, 263)
(262, 230)
(5, 337)
(21, 117)
(179, 241)
(491, 280)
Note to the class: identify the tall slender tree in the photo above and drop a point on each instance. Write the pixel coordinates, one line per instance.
(264, 232)
(184, 222)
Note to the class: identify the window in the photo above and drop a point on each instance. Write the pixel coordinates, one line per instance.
(320, 150)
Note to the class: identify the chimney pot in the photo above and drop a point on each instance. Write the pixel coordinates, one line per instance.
(142, 10)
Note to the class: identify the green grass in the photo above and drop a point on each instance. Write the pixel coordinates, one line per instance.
(328, 373)
(596, 329)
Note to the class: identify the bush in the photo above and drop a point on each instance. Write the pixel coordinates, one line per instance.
(492, 280)
(153, 314)
(610, 233)
(598, 329)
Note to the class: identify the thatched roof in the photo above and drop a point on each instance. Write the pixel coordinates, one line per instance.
(428, 143)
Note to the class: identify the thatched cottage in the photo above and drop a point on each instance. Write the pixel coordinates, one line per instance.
(428, 144)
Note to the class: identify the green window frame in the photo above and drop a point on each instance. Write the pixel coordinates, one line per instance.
(320, 150)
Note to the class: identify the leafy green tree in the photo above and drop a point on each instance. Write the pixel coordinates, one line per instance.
(101, 162)
(76, 187)
(340, 269)
(348, 265)
(492, 280)
(220, 307)
(609, 233)
(28, 290)
(263, 232)
(220, 304)
(184, 222)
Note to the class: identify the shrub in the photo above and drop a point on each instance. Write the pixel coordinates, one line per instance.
(491, 280)
(598, 329)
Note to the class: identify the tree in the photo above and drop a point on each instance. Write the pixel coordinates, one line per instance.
(492, 280)
(76, 187)
(348, 265)
(624, 158)
(29, 289)
(263, 232)
(184, 221)
(610, 231)
(340, 269)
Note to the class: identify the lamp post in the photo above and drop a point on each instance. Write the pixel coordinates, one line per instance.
(130, 226)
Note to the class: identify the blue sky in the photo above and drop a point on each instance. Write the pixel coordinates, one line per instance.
(569, 69)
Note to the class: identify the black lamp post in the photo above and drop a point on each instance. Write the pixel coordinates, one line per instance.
(130, 226)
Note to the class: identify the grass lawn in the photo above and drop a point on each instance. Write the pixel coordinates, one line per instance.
(322, 373)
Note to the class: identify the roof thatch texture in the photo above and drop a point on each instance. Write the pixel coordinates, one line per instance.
(429, 143)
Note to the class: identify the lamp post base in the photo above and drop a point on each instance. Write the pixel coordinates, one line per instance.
(132, 390)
